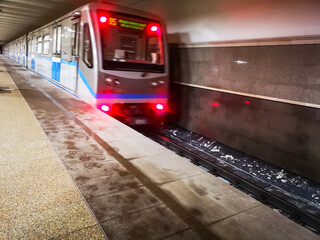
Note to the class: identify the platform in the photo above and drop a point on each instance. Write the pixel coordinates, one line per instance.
(62, 157)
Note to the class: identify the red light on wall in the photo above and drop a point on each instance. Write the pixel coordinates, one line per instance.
(159, 106)
(105, 108)
(247, 102)
(215, 104)
(103, 19)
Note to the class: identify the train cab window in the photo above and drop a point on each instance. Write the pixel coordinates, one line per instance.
(57, 40)
(39, 45)
(87, 47)
(46, 44)
(74, 39)
(132, 43)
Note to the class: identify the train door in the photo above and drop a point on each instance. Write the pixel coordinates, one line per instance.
(28, 51)
(25, 53)
(56, 52)
(87, 86)
(69, 54)
(33, 51)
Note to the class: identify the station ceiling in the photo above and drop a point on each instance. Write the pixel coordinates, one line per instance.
(18, 17)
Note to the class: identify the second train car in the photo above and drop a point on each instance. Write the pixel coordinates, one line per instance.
(112, 57)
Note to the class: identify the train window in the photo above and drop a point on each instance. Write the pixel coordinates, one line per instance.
(54, 47)
(34, 45)
(131, 43)
(46, 44)
(74, 39)
(87, 47)
(29, 46)
(39, 45)
(57, 40)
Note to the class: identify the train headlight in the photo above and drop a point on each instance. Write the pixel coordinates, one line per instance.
(154, 84)
(116, 83)
(112, 82)
(108, 80)
(159, 83)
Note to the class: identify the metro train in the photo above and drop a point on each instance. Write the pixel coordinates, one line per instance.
(112, 57)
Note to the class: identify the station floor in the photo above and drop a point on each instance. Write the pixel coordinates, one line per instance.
(69, 171)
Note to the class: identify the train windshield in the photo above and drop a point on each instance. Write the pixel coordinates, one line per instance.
(131, 43)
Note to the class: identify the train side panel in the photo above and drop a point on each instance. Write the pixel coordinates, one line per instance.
(70, 52)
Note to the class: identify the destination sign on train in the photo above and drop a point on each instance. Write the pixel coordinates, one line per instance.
(127, 24)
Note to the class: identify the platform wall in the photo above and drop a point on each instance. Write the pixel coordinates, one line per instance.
(266, 49)
(287, 135)
(220, 20)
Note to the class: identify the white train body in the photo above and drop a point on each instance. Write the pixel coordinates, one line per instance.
(112, 57)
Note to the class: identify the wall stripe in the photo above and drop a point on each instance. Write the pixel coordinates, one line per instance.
(294, 40)
(250, 95)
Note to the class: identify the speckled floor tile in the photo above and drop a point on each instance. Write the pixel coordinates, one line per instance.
(33, 193)
(35, 150)
(14, 132)
(38, 199)
(53, 222)
(92, 233)
(5, 167)
(5, 230)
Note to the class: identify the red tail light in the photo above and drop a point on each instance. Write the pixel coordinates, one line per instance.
(154, 28)
(103, 19)
(105, 108)
(159, 106)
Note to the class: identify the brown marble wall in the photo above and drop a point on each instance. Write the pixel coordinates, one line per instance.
(284, 134)
(288, 72)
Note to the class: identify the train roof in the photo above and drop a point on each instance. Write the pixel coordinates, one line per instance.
(103, 5)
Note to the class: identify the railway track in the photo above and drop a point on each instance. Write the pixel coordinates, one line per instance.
(198, 157)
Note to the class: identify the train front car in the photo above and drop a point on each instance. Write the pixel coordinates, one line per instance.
(132, 71)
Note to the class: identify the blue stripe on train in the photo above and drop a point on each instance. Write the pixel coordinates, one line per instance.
(55, 72)
(56, 67)
(116, 96)
(33, 63)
